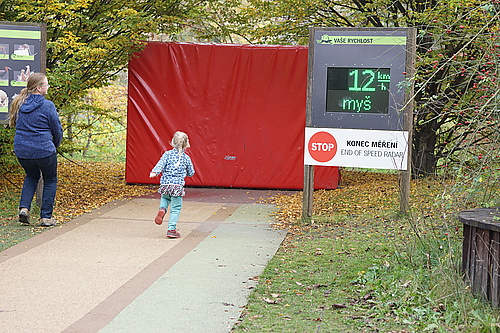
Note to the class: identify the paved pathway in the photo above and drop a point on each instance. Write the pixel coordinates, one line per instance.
(113, 270)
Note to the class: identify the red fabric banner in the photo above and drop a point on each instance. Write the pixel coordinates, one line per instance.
(242, 106)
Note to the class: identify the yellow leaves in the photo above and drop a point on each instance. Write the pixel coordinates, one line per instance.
(86, 186)
(94, 53)
(125, 13)
(112, 98)
(68, 42)
(360, 193)
(54, 12)
(82, 3)
(69, 38)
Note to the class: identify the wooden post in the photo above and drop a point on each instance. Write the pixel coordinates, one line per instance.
(307, 197)
(405, 175)
(39, 192)
(308, 190)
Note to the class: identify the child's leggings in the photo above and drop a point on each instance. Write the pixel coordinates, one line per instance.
(175, 209)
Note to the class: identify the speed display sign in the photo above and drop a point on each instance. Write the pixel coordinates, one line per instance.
(357, 84)
(357, 90)
(357, 77)
(359, 112)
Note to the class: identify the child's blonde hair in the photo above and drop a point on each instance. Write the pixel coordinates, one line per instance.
(180, 141)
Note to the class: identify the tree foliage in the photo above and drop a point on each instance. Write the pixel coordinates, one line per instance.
(90, 41)
(101, 124)
(218, 21)
(456, 96)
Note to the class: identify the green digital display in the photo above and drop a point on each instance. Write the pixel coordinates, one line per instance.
(358, 90)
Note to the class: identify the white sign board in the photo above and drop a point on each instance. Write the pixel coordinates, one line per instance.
(374, 149)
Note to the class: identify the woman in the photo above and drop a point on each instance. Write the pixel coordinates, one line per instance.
(38, 134)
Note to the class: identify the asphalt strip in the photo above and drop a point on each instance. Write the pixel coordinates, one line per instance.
(113, 270)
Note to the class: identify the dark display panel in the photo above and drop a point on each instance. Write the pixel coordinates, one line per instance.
(358, 90)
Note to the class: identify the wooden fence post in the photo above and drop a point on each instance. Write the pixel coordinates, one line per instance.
(39, 192)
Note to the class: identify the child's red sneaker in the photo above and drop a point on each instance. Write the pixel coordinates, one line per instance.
(159, 216)
(173, 234)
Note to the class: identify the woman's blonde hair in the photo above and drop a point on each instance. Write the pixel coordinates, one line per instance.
(35, 80)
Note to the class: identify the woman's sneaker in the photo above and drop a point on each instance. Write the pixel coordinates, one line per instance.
(46, 222)
(173, 234)
(24, 216)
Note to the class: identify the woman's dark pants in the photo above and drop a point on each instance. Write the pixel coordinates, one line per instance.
(47, 167)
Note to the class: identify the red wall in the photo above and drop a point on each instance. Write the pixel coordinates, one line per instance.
(243, 107)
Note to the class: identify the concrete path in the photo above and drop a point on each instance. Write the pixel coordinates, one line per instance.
(113, 270)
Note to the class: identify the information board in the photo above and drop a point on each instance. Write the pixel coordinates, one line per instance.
(22, 53)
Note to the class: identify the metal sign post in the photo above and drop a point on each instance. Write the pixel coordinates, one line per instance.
(358, 103)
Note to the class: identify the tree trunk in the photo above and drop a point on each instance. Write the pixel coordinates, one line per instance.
(424, 143)
(69, 130)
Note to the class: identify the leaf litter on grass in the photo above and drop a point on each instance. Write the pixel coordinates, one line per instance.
(86, 186)
(347, 250)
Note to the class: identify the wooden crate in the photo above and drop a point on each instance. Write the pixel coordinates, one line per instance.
(481, 251)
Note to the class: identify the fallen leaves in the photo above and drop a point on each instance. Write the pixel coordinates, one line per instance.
(360, 193)
(270, 300)
(85, 186)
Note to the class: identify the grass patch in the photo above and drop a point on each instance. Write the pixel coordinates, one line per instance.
(11, 231)
(351, 277)
(325, 280)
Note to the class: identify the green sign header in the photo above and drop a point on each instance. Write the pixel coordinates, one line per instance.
(23, 34)
(362, 40)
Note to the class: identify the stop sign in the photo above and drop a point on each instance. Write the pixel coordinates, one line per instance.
(322, 146)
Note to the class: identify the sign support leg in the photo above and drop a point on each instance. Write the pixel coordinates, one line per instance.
(307, 195)
(404, 191)
(405, 176)
(39, 192)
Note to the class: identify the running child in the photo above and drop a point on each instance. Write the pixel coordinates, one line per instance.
(174, 166)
